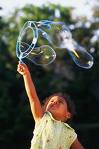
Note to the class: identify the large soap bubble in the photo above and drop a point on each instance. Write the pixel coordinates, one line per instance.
(38, 40)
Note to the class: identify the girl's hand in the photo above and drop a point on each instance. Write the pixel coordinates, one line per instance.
(22, 69)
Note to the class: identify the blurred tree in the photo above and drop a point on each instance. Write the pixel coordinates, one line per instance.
(16, 123)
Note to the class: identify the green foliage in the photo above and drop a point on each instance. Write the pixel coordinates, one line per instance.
(16, 123)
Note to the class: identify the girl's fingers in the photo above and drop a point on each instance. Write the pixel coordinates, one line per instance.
(22, 68)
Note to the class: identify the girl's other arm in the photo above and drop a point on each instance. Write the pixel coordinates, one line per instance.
(31, 92)
(77, 145)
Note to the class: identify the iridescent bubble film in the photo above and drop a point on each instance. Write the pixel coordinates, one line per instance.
(37, 42)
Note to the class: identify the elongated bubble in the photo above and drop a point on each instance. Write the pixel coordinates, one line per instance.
(79, 55)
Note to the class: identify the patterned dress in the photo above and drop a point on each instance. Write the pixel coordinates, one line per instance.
(52, 134)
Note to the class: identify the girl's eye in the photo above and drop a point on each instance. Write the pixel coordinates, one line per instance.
(61, 101)
(52, 100)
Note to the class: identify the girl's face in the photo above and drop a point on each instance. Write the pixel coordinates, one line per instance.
(58, 108)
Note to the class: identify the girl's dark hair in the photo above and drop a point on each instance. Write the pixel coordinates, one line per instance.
(66, 97)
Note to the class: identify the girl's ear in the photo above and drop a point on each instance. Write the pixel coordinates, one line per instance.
(69, 115)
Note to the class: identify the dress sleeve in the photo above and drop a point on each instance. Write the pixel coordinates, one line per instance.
(72, 136)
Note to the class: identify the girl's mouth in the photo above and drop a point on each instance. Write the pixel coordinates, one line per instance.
(54, 106)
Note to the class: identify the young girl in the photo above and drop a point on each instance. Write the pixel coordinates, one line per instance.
(51, 131)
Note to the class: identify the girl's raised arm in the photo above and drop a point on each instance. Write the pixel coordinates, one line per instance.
(35, 104)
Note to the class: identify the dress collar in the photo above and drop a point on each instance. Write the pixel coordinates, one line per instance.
(50, 114)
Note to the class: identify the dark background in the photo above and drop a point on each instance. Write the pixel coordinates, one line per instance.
(16, 122)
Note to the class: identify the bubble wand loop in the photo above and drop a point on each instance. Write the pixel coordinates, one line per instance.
(22, 47)
(27, 47)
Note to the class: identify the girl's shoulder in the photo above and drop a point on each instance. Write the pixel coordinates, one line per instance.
(68, 126)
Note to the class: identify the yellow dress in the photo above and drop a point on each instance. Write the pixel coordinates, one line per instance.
(51, 134)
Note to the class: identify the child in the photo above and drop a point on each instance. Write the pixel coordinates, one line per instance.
(51, 131)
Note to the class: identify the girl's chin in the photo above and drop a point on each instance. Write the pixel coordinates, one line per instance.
(52, 110)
